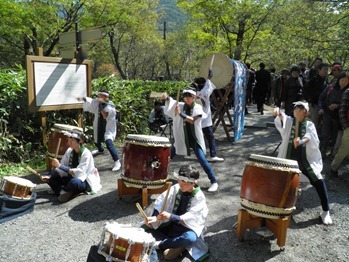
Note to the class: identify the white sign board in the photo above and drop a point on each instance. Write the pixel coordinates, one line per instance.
(59, 84)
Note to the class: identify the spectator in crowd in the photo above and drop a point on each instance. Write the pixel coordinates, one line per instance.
(343, 151)
(262, 87)
(313, 90)
(280, 86)
(329, 102)
(293, 90)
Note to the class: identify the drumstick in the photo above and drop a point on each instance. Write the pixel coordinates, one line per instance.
(142, 213)
(165, 200)
(211, 62)
(297, 126)
(33, 171)
(178, 92)
(58, 146)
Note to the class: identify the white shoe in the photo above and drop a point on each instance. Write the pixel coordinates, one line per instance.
(213, 187)
(117, 165)
(216, 159)
(96, 152)
(156, 245)
(326, 218)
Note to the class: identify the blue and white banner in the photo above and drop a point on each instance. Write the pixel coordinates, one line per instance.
(240, 84)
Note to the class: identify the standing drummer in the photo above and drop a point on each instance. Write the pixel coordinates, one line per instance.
(76, 172)
(205, 89)
(187, 129)
(303, 148)
(104, 124)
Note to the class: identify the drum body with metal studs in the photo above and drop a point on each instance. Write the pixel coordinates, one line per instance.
(16, 187)
(146, 161)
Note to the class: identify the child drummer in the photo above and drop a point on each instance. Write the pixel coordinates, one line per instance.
(179, 217)
(76, 172)
(302, 145)
(187, 129)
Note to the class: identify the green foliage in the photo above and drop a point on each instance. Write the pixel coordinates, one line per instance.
(132, 102)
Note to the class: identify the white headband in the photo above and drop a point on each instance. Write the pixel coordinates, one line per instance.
(103, 93)
(72, 135)
(184, 178)
(189, 91)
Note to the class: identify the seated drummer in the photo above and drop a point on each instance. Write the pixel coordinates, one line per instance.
(304, 149)
(76, 172)
(181, 225)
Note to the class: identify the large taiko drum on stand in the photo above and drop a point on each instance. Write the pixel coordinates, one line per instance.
(16, 187)
(146, 161)
(270, 186)
(222, 69)
(56, 133)
(125, 243)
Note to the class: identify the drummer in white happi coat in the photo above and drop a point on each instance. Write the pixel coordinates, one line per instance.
(76, 172)
(303, 148)
(179, 224)
(187, 129)
(104, 124)
(205, 89)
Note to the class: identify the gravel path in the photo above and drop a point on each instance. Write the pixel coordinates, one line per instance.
(66, 232)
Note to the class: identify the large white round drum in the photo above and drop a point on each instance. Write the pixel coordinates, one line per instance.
(222, 69)
(16, 187)
(125, 243)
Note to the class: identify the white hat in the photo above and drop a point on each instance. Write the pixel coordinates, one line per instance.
(300, 103)
(189, 91)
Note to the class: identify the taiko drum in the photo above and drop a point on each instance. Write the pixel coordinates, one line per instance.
(270, 186)
(146, 161)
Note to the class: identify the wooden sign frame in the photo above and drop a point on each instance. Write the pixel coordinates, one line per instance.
(54, 83)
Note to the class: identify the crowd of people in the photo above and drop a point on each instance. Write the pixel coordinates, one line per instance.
(311, 100)
(323, 86)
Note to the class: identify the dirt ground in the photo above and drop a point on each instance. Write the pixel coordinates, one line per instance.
(66, 232)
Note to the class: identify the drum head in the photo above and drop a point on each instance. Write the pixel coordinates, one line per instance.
(222, 69)
(127, 232)
(66, 127)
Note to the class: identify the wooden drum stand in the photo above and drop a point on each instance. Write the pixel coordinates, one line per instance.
(277, 226)
(125, 190)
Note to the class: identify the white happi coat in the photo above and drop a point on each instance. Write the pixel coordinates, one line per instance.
(91, 105)
(313, 154)
(178, 128)
(194, 219)
(204, 95)
(85, 170)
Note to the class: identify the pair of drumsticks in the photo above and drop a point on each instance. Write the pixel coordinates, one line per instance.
(144, 215)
